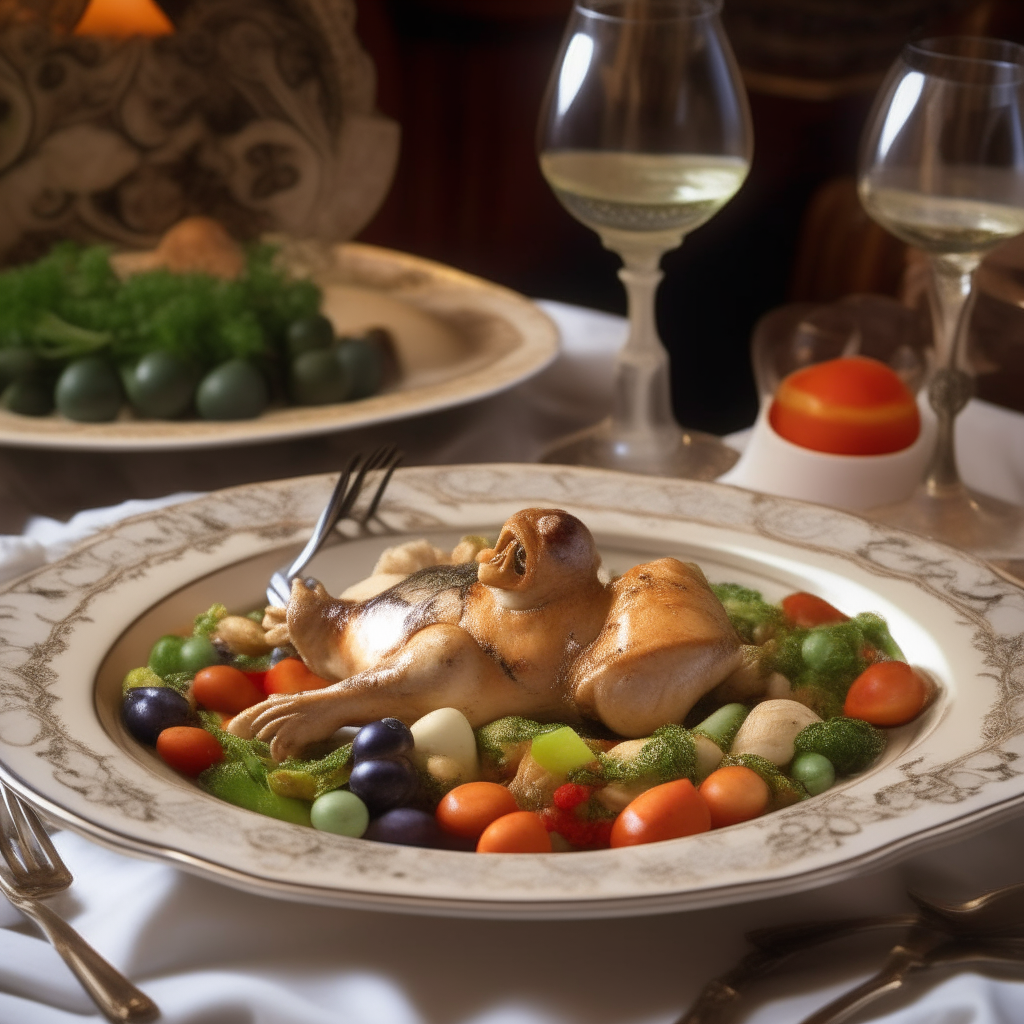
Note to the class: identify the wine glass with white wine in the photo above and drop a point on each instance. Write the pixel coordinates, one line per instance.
(644, 135)
(942, 168)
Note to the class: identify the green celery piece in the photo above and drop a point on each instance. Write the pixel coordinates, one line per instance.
(310, 779)
(231, 781)
(722, 725)
(560, 751)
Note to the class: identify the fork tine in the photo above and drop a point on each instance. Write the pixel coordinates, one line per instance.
(376, 460)
(393, 461)
(327, 519)
(27, 848)
(339, 506)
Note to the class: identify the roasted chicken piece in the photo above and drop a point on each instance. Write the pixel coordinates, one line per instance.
(528, 629)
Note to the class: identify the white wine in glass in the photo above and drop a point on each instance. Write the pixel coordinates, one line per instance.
(942, 168)
(645, 134)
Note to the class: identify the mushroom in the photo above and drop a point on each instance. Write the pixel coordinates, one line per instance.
(770, 729)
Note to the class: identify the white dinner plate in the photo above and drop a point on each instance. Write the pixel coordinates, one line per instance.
(70, 630)
(459, 338)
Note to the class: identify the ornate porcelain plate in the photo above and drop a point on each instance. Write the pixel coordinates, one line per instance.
(70, 630)
(460, 338)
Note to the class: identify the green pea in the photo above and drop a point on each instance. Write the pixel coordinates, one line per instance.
(160, 386)
(165, 656)
(235, 390)
(308, 334)
(815, 771)
(817, 648)
(28, 396)
(340, 812)
(197, 652)
(317, 378)
(363, 363)
(88, 391)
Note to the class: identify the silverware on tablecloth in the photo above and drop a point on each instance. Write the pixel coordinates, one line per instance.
(922, 948)
(987, 917)
(35, 872)
(339, 506)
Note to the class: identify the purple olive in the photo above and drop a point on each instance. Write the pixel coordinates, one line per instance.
(405, 826)
(387, 738)
(383, 783)
(148, 710)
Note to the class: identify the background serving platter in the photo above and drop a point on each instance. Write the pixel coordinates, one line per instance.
(69, 631)
(460, 338)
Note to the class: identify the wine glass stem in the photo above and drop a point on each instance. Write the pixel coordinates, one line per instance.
(950, 388)
(642, 402)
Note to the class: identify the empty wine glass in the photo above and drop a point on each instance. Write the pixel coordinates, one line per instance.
(942, 168)
(644, 135)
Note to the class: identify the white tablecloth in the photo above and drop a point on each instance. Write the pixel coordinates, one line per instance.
(210, 955)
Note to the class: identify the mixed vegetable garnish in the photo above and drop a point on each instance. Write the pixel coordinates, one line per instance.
(77, 337)
(810, 705)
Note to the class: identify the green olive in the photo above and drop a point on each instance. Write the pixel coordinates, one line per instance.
(160, 386)
(17, 363)
(89, 391)
(235, 390)
(309, 334)
(29, 396)
(363, 363)
(317, 378)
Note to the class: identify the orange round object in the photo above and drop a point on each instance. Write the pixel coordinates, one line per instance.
(806, 611)
(188, 750)
(468, 809)
(290, 675)
(734, 794)
(887, 694)
(848, 406)
(668, 811)
(519, 832)
(226, 689)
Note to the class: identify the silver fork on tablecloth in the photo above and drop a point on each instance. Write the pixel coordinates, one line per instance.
(35, 872)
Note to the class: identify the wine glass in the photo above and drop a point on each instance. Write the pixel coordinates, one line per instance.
(644, 135)
(942, 168)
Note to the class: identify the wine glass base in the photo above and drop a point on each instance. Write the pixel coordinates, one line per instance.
(686, 454)
(978, 523)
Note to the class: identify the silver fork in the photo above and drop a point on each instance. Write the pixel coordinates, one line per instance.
(37, 872)
(339, 506)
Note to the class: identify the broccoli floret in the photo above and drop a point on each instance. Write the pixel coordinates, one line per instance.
(849, 743)
(820, 663)
(752, 617)
(502, 743)
(309, 779)
(253, 755)
(669, 754)
(206, 622)
(71, 303)
(784, 790)
(876, 632)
